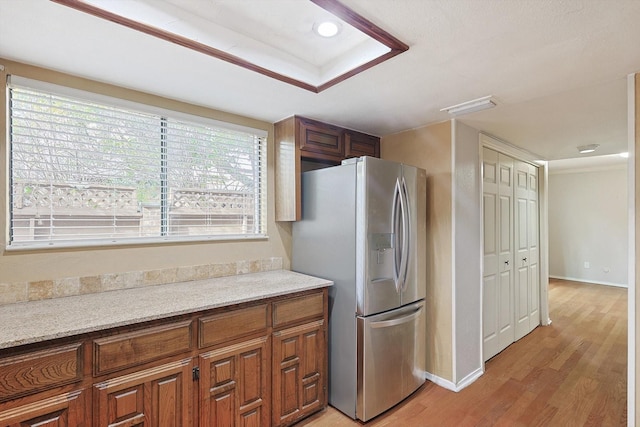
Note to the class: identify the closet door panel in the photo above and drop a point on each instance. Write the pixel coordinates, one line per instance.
(534, 250)
(490, 316)
(506, 334)
(498, 280)
(506, 308)
(490, 279)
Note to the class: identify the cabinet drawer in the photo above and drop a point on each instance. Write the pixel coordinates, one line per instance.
(298, 309)
(40, 370)
(135, 348)
(228, 326)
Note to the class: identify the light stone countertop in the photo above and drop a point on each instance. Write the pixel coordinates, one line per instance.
(37, 321)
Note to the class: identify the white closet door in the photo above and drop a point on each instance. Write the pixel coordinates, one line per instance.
(527, 288)
(511, 279)
(498, 314)
(490, 296)
(506, 264)
(534, 252)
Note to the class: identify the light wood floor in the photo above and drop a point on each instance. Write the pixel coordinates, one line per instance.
(572, 373)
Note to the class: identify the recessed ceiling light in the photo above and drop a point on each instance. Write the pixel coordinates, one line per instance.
(624, 155)
(327, 28)
(584, 149)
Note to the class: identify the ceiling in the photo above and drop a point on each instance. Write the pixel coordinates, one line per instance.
(588, 164)
(557, 68)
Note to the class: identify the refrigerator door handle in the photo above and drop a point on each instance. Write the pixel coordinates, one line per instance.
(406, 236)
(398, 320)
(395, 223)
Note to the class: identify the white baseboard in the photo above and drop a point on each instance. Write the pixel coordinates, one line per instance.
(440, 381)
(449, 385)
(469, 379)
(595, 282)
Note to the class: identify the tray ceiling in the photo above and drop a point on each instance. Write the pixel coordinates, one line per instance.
(276, 39)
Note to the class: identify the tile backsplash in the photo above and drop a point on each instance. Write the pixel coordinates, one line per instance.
(67, 286)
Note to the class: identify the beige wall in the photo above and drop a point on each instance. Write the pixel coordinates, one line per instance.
(27, 266)
(430, 148)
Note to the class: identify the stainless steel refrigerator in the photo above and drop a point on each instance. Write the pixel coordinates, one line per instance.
(363, 226)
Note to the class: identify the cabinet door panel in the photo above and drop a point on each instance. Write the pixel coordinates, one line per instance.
(127, 404)
(164, 392)
(250, 368)
(159, 397)
(223, 409)
(289, 396)
(312, 350)
(65, 410)
(320, 140)
(358, 144)
(298, 372)
(251, 419)
(234, 385)
(223, 389)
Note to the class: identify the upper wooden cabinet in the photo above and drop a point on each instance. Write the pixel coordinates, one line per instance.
(358, 144)
(319, 141)
(302, 144)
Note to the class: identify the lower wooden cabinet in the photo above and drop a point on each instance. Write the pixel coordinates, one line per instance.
(253, 365)
(64, 410)
(158, 397)
(299, 372)
(234, 385)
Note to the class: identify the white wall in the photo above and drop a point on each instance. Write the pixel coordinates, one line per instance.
(588, 223)
(467, 228)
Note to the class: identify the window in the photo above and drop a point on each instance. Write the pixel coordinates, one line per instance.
(87, 169)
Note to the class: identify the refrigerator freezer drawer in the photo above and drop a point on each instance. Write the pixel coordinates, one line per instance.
(391, 360)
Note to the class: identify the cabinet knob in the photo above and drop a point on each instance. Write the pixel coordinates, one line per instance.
(506, 262)
(524, 259)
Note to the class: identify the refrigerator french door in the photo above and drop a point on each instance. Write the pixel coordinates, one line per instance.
(363, 226)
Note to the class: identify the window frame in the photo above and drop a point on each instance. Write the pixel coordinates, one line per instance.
(260, 192)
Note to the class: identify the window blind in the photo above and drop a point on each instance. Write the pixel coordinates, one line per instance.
(85, 171)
